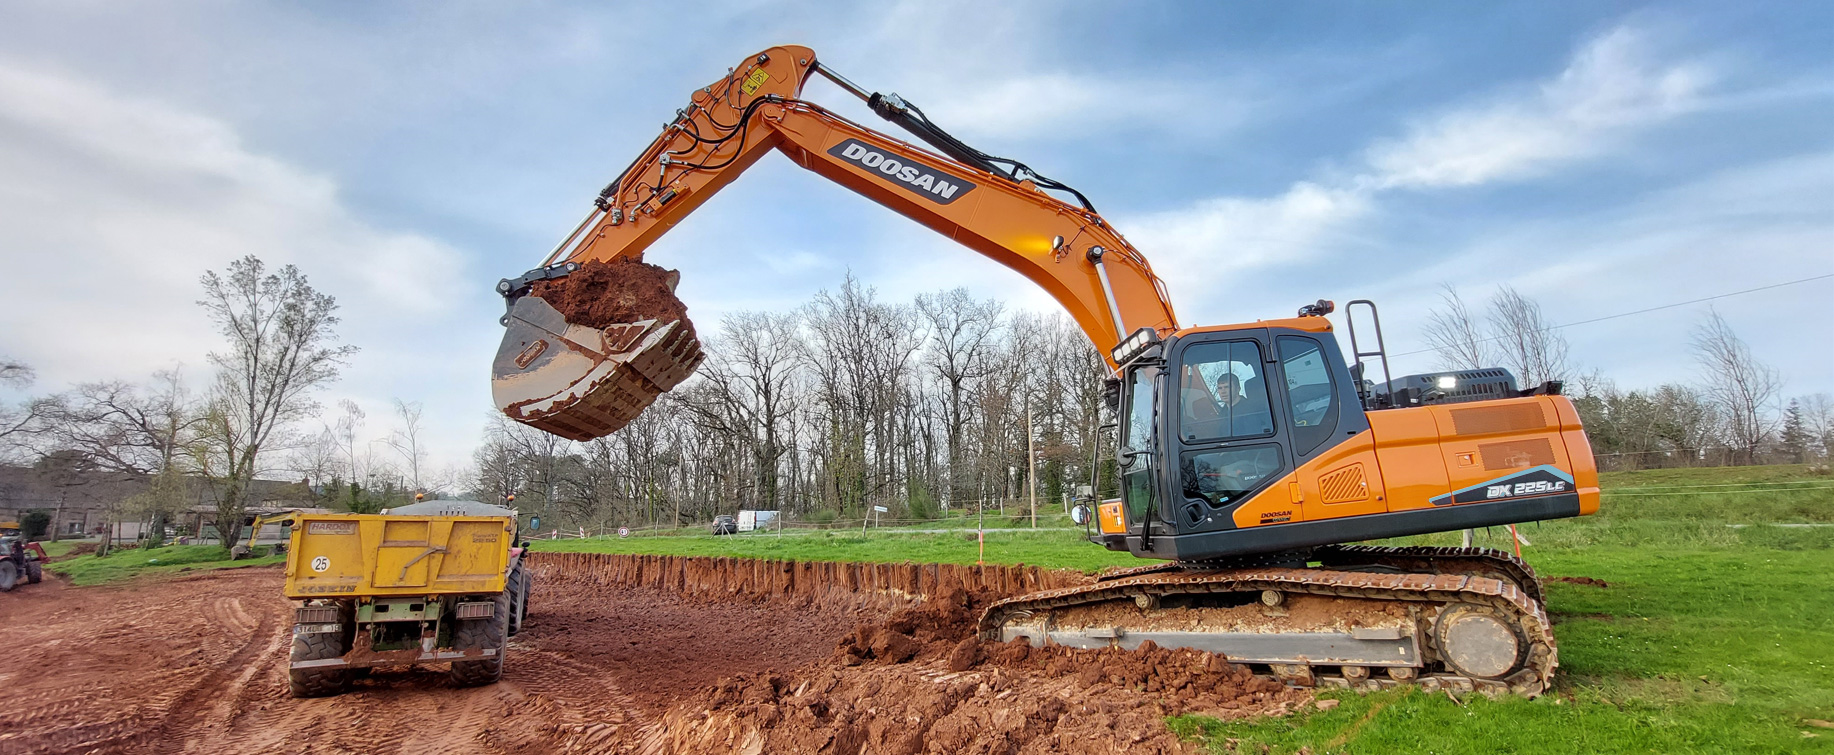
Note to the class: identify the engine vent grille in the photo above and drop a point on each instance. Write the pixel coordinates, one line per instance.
(1344, 485)
(1516, 454)
(1488, 420)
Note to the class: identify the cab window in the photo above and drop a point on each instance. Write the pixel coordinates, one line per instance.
(1308, 390)
(1222, 392)
(1136, 439)
(1221, 476)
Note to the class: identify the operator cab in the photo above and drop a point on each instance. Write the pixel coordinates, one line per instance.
(1248, 403)
(1231, 437)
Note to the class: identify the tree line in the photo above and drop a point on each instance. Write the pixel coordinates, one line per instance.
(847, 403)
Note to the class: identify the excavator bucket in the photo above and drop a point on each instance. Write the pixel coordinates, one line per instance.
(581, 382)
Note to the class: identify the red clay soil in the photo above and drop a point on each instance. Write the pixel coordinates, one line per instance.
(198, 665)
(600, 294)
(921, 683)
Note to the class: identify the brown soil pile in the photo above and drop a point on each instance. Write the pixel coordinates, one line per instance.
(922, 683)
(1591, 581)
(601, 294)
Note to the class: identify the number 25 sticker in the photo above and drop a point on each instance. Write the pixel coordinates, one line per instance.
(321, 563)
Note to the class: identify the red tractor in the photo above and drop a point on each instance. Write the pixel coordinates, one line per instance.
(19, 559)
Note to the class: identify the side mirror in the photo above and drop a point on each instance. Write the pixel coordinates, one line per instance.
(1080, 514)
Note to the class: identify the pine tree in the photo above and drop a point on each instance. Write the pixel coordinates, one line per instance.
(1795, 440)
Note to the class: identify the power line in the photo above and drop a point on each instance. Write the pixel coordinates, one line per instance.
(1646, 311)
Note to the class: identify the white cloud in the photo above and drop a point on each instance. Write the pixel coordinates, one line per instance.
(114, 205)
(1199, 249)
(1614, 84)
(1034, 106)
(1739, 229)
(1611, 86)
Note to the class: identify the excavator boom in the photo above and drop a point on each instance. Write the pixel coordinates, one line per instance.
(583, 381)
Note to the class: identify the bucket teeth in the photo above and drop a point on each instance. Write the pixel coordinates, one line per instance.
(582, 383)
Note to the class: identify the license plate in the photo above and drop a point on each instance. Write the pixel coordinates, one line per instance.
(317, 628)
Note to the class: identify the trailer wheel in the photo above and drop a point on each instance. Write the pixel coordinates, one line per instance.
(9, 575)
(479, 634)
(34, 572)
(519, 599)
(317, 682)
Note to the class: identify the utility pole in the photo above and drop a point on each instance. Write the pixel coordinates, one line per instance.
(1031, 461)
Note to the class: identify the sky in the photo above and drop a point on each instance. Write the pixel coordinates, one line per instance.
(1600, 157)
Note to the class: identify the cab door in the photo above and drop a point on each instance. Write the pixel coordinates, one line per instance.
(1136, 447)
(1227, 441)
(1337, 474)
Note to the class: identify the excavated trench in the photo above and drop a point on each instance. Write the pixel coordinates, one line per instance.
(622, 654)
(911, 676)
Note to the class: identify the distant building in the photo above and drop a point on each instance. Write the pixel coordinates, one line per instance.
(82, 503)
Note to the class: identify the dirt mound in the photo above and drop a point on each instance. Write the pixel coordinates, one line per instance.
(1589, 581)
(600, 294)
(921, 682)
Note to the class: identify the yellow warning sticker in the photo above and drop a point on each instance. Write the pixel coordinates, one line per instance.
(755, 80)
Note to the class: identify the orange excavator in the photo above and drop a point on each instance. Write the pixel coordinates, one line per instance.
(1250, 455)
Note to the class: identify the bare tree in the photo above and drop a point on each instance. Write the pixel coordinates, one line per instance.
(406, 439)
(1740, 388)
(1818, 420)
(344, 435)
(961, 333)
(318, 459)
(281, 345)
(19, 424)
(16, 373)
(1455, 334)
(1528, 342)
(747, 393)
(136, 432)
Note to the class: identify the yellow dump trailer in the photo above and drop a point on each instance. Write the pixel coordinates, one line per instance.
(435, 582)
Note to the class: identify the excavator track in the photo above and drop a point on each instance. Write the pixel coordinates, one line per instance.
(1424, 559)
(1320, 627)
(1487, 562)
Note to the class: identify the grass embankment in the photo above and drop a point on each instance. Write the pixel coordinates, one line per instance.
(1053, 548)
(60, 548)
(134, 562)
(1709, 638)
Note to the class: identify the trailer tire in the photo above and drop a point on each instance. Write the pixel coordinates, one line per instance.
(34, 572)
(9, 575)
(317, 682)
(518, 599)
(474, 634)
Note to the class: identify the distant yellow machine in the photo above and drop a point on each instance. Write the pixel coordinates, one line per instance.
(434, 582)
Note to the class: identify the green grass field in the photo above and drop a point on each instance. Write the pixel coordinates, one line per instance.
(134, 562)
(1710, 637)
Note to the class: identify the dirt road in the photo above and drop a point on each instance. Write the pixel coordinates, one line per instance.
(197, 665)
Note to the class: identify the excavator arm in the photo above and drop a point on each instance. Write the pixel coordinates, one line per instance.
(584, 382)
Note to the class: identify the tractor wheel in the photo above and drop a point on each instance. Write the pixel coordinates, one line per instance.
(9, 575)
(34, 572)
(477, 634)
(518, 588)
(317, 682)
